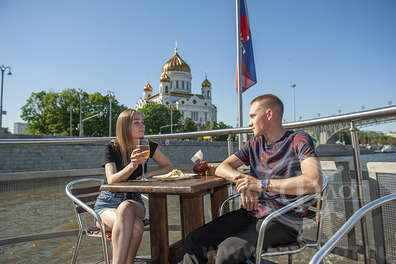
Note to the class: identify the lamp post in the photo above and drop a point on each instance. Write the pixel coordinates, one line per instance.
(171, 128)
(71, 109)
(81, 123)
(161, 127)
(293, 86)
(111, 96)
(3, 69)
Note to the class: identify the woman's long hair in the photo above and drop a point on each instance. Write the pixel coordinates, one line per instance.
(124, 139)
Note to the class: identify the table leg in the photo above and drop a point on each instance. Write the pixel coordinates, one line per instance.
(191, 213)
(216, 198)
(159, 238)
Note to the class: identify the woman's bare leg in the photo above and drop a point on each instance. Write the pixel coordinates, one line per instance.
(126, 225)
(120, 220)
(138, 229)
(108, 218)
(137, 234)
(123, 231)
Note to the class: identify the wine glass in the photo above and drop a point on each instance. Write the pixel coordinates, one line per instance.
(143, 145)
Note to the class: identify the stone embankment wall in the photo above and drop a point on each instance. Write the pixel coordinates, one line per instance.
(41, 161)
(29, 161)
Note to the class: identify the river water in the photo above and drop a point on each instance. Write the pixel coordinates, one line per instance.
(41, 206)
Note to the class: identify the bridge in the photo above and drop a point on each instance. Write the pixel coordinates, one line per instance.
(324, 132)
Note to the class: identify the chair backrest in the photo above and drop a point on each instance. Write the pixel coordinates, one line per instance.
(330, 244)
(382, 179)
(315, 208)
(312, 222)
(84, 192)
(339, 204)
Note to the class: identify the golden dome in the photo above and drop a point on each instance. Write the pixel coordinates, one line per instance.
(164, 77)
(206, 83)
(176, 64)
(148, 87)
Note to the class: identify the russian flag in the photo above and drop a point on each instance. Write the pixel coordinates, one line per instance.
(248, 68)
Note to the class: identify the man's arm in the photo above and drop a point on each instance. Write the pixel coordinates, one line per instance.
(310, 181)
(228, 168)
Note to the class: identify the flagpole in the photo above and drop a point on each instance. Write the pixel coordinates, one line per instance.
(239, 69)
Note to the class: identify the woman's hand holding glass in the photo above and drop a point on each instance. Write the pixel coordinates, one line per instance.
(138, 158)
(144, 149)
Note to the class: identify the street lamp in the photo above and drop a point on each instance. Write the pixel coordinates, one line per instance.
(161, 127)
(71, 109)
(293, 86)
(171, 118)
(81, 125)
(111, 97)
(3, 69)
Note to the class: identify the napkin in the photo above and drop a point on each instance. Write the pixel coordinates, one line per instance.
(197, 156)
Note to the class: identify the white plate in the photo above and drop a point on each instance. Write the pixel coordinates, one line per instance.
(164, 178)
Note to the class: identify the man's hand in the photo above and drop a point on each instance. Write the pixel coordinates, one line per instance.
(249, 200)
(247, 183)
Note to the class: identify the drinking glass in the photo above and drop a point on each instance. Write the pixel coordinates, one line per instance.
(143, 145)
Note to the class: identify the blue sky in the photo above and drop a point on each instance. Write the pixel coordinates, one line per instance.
(340, 54)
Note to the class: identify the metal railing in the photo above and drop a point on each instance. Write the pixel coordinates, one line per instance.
(386, 113)
(359, 214)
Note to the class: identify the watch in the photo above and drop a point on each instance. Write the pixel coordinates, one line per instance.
(264, 184)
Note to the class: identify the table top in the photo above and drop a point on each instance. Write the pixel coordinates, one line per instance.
(186, 186)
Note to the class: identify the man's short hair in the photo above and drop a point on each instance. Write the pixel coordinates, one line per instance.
(270, 101)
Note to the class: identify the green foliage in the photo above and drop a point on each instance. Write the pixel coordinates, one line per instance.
(365, 138)
(343, 136)
(375, 139)
(213, 125)
(189, 125)
(49, 113)
(157, 118)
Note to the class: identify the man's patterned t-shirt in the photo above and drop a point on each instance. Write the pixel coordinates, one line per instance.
(279, 160)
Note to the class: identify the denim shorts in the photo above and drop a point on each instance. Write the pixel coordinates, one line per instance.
(107, 200)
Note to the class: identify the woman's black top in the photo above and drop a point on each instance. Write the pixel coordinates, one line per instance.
(113, 154)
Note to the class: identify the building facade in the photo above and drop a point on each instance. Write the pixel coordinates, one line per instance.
(175, 90)
(20, 128)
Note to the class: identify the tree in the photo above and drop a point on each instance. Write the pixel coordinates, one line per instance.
(157, 118)
(189, 125)
(49, 113)
(213, 125)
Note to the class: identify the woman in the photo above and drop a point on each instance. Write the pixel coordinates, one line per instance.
(122, 213)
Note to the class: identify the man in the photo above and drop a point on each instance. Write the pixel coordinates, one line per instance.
(283, 166)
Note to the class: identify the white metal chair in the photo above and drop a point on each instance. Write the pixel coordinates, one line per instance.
(83, 193)
(313, 202)
(352, 221)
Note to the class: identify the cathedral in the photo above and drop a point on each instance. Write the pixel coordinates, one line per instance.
(175, 90)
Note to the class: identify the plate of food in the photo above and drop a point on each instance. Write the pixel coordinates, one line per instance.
(175, 175)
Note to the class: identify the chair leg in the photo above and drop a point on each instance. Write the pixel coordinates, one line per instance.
(76, 247)
(290, 258)
(105, 249)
